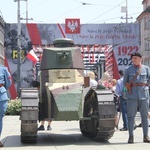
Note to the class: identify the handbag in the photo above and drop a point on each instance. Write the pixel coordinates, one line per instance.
(128, 85)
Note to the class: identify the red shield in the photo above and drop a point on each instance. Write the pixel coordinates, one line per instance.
(72, 26)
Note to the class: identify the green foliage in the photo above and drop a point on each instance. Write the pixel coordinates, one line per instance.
(14, 107)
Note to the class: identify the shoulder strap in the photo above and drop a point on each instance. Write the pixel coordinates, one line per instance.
(138, 72)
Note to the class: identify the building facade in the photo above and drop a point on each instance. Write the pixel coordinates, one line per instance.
(2, 54)
(144, 20)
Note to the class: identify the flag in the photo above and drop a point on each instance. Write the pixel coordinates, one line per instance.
(32, 56)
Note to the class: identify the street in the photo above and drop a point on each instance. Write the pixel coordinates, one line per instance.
(67, 136)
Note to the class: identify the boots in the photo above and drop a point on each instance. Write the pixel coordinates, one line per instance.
(146, 139)
(1, 144)
(131, 140)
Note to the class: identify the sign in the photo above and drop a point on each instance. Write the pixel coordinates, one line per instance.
(15, 56)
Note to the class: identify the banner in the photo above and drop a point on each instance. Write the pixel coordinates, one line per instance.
(115, 41)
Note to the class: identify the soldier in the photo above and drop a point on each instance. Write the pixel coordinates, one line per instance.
(5, 82)
(138, 95)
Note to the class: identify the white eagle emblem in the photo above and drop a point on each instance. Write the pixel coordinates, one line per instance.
(72, 25)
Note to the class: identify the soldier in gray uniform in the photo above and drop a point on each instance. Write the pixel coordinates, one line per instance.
(5, 82)
(139, 95)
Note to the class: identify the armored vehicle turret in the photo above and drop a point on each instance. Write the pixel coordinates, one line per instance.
(65, 95)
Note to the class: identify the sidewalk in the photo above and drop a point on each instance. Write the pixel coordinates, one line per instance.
(67, 136)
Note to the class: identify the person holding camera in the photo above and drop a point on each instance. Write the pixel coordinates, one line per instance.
(137, 76)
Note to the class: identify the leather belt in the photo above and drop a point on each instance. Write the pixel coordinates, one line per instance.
(139, 84)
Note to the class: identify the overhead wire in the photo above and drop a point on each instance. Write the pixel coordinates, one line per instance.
(102, 5)
(106, 12)
(35, 6)
(83, 4)
(116, 17)
(66, 13)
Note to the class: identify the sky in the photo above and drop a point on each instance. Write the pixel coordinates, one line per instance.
(56, 11)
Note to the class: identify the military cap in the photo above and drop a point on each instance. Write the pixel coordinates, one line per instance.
(136, 54)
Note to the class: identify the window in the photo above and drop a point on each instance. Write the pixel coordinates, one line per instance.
(147, 46)
(147, 23)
